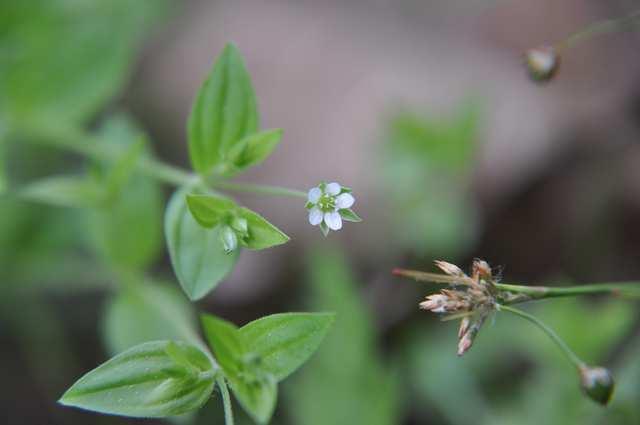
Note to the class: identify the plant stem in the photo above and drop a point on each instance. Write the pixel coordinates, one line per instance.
(573, 358)
(598, 28)
(80, 142)
(628, 289)
(226, 401)
(257, 188)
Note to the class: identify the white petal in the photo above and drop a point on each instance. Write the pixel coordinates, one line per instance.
(333, 220)
(314, 195)
(333, 189)
(315, 216)
(344, 201)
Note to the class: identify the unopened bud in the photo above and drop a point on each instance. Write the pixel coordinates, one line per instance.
(464, 326)
(240, 225)
(597, 383)
(465, 343)
(229, 239)
(436, 303)
(448, 268)
(542, 63)
(481, 269)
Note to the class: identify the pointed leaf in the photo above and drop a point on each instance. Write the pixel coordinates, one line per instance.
(284, 342)
(224, 112)
(197, 255)
(262, 234)
(349, 215)
(146, 381)
(208, 210)
(254, 148)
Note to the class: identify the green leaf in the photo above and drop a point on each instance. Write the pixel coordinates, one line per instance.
(147, 312)
(349, 215)
(262, 234)
(146, 381)
(255, 389)
(209, 210)
(361, 390)
(283, 342)
(197, 255)
(62, 63)
(226, 342)
(224, 112)
(254, 148)
(65, 191)
(131, 201)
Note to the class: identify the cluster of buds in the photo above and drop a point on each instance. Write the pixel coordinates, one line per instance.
(470, 298)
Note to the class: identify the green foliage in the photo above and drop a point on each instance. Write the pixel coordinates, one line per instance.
(426, 167)
(248, 227)
(253, 149)
(224, 112)
(345, 383)
(130, 201)
(147, 312)
(283, 342)
(154, 379)
(64, 191)
(62, 60)
(198, 257)
(258, 355)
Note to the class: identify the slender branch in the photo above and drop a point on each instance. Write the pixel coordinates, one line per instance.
(599, 28)
(626, 289)
(571, 356)
(257, 188)
(80, 142)
(226, 401)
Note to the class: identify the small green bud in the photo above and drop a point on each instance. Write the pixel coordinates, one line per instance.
(597, 383)
(229, 239)
(542, 63)
(240, 225)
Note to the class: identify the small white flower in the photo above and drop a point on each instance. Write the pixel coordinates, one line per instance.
(330, 204)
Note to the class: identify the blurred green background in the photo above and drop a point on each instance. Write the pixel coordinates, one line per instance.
(422, 107)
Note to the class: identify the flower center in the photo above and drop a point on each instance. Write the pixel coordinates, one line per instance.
(327, 203)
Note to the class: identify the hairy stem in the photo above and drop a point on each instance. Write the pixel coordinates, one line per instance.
(226, 401)
(257, 188)
(599, 28)
(571, 356)
(625, 289)
(80, 142)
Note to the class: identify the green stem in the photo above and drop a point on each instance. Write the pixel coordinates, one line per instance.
(257, 188)
(226, 401)
(90, 146)
(628, 289)
(599, 28)
(573, 358)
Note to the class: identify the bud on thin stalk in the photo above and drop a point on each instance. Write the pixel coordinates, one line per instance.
(597, 383)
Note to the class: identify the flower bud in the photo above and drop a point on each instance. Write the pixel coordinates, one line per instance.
(542, 63)
(597, 383)
(448, 268)
(229, 239)
(464, 327)
(240, 225)
(481, 269)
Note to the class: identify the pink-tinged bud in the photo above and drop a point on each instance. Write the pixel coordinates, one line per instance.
(542, 63)
(464, 326)
(465, 343)
(435, 303)
(597, 383)
(448, 268)
(481, 269)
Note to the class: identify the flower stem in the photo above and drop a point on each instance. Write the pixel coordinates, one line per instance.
(627, 289)
(598, 28)
(226, 401)
(257, 189)
(571, 356)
